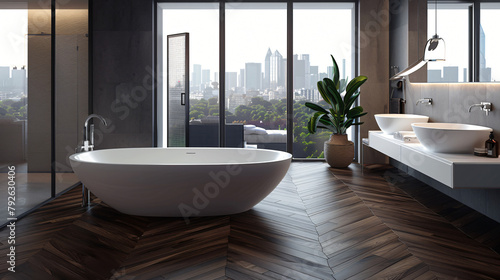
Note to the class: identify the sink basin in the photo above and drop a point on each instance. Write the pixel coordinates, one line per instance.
(390, 123)
(451, 137)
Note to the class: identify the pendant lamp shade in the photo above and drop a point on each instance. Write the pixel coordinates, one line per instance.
(435, 49)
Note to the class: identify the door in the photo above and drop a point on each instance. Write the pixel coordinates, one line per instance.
(178, 90)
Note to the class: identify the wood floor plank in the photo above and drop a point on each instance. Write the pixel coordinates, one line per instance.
(319, 223)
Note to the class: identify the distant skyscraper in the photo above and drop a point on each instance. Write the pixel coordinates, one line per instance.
(343, 69)
(19, 79)
(241, 80)
(205, 76)
(434, 76)
(314, 77)
(484, 72)
(196, 77)
(267, 69)
(329, 71)
(277, 71)
(4, 76)
(299, 73)
(231, 80)
(450, 74)
(482, 48)
(322, 76)
(284, 69)
(253, 74)
(307, 69)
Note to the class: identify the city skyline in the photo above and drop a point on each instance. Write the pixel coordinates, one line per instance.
(269, 74)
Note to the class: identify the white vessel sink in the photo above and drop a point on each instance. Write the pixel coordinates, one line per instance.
(390, 123)
(451, 137)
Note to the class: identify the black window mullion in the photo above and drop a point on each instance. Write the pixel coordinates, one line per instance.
(289, 79)
(476, 35)
(222, 73)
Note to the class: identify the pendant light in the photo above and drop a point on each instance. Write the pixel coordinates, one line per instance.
(435, 50)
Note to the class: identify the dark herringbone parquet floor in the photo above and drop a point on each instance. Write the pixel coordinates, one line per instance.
(319, 223)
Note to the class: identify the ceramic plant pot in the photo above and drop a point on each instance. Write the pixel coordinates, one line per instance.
(339, 152)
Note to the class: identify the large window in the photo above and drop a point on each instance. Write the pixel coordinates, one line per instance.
(255, 61)
(450, 18)
(255, 87)
(312, 63)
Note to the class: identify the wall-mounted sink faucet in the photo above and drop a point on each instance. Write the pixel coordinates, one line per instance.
(485, 106)
(88, 133)
(426, 101)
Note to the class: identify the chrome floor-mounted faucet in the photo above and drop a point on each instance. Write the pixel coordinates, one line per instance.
(88, 145)
(88, 133)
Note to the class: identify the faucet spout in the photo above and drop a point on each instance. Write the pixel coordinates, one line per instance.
(485, 106)
(474, 105)
(88, 136)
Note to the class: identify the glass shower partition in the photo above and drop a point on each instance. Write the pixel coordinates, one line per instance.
(71, 86)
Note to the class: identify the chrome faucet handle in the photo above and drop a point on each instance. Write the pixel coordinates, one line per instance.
(426, 101)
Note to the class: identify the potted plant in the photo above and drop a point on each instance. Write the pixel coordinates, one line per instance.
(340, 96)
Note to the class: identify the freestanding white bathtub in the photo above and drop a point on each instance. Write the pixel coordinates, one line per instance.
(181, 182)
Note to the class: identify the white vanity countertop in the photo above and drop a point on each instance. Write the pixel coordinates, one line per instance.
(453, 170)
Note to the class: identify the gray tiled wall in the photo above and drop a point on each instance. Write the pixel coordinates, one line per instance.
(122, 63)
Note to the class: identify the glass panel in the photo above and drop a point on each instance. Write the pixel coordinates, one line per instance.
(312, 63)
(256, 74)
(177, 52)
(489, 43)
(25, 60)
(204, 66)
(450, 18)
(71, 86)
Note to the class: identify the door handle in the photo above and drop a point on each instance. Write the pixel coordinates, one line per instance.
(183, 98)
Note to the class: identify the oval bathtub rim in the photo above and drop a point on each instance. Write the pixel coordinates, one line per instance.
(288, 157)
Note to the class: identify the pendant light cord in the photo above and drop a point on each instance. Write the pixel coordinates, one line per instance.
(436, 17)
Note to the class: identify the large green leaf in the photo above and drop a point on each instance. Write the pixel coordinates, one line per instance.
(332, 91)
(313, 122)
(315, 107)
(354, 111)
(351, 100)
(335, 73)
(324, 93)
(353, 86)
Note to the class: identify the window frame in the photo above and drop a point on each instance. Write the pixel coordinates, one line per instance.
(474, 34)
(222, 61)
